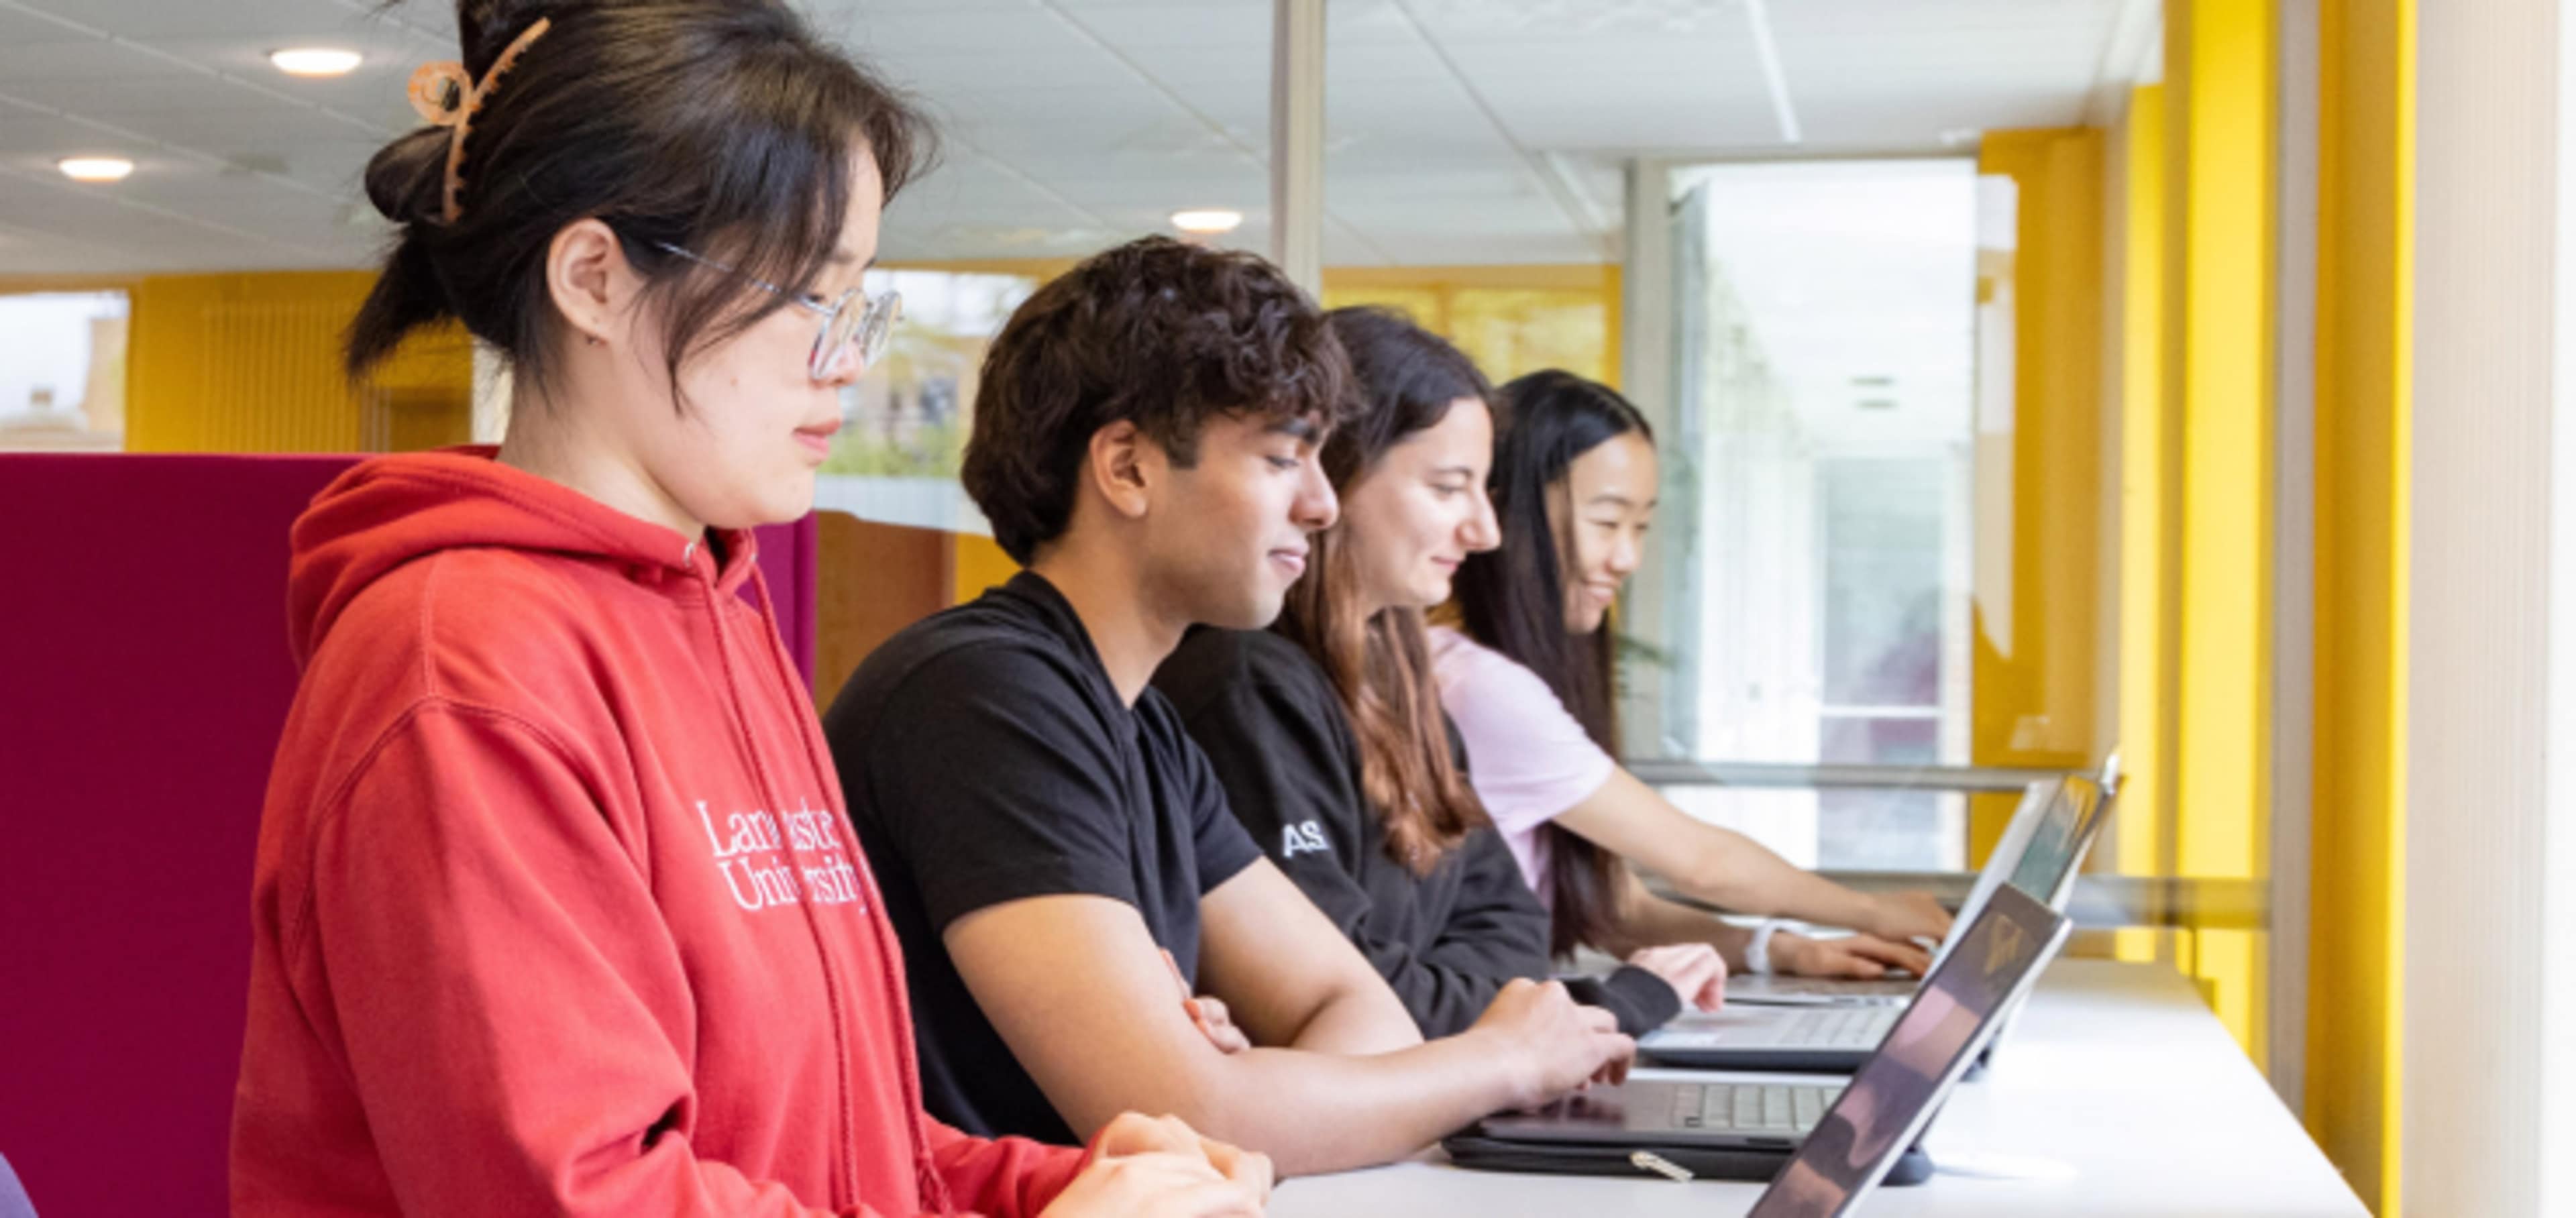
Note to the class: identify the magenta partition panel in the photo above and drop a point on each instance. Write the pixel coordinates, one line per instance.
(143, 679)
(144, 676)
(788, 553)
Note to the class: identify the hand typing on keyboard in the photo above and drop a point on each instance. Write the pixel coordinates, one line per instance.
(1862, 956)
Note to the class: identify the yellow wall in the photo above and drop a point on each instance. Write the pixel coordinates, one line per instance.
(2034, 701)
(2149, 465)
(251, 363)
(1509, 319)
(2219, 77)
(2365, 213)
(978, 563)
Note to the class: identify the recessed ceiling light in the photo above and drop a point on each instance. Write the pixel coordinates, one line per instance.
(1209, 220)
(315, 61)
(96, 168)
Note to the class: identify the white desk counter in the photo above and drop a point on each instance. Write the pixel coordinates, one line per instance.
(2116, 1074)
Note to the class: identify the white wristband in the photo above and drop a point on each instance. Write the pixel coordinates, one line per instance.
(1757, 954)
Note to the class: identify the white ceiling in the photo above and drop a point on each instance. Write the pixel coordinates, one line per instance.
(1460, 131)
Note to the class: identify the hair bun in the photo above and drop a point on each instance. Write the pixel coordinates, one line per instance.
(404, 179)
(681, 118)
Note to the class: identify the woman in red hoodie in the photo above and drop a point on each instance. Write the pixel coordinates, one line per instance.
(556, 908)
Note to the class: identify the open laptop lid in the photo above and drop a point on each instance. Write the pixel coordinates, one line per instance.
(2036, 799)
(2049, 869)
(2010, 850)
(1892, 1097)
(2060, 840)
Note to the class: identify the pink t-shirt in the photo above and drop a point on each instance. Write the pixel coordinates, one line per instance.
(1527, 756)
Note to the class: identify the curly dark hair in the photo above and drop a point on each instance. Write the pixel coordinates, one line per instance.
(1153, 332)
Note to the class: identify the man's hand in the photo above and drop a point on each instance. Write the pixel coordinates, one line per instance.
(1551, 1044)
(1208, 1014)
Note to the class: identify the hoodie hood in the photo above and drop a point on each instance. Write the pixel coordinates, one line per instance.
(387, 512)
(555, 841)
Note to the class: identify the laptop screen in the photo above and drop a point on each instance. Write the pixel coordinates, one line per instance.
(1890, 1098)
(2058, 841)
(2036, 800)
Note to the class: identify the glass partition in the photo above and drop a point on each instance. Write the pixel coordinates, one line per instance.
(1820, 500)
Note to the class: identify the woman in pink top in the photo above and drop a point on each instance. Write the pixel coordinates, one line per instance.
(1528, 682)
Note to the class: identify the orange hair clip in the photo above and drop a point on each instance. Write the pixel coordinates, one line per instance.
(446, 97)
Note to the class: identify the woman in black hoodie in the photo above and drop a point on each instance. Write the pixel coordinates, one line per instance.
(1327, 730)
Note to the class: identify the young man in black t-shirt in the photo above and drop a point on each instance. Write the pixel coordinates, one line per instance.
(1051, 845)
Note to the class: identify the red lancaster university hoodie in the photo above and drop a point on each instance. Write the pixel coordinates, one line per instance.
(557, 910)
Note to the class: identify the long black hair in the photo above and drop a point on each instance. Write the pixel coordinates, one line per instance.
(1405, 380)
(1512, 599)
(722, 127)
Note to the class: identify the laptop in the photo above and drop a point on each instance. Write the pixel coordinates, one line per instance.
(1810, 1138)
(1879, 1118)
(1782, 990)
(1838, 1038)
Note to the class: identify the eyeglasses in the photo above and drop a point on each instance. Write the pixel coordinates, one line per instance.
(845, 322)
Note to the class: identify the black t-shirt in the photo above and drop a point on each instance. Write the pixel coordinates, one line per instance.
(1445, 940)
(988, 758)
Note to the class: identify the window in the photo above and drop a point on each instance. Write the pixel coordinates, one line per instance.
(62, 371)
(1821, 499)
(906, 422)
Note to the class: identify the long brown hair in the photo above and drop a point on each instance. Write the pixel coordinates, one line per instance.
(1512, 600)
(1380, 664)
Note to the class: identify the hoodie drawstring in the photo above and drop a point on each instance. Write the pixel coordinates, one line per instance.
(845, 1167)
(933, 1187)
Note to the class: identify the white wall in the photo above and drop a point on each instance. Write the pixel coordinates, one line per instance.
(2492, 620)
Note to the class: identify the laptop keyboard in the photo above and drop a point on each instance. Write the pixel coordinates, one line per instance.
(1833, 1028)
(1835, 987)
(1839, 1028)
(1751, 1107)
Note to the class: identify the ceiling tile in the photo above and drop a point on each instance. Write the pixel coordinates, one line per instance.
(76, 60)
(951, 31)
(1059, 145)
(203, 18)
(1240, 29)
(953, 76)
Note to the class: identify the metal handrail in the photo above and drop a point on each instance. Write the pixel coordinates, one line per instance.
(2100, 901)
(1665, 772)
